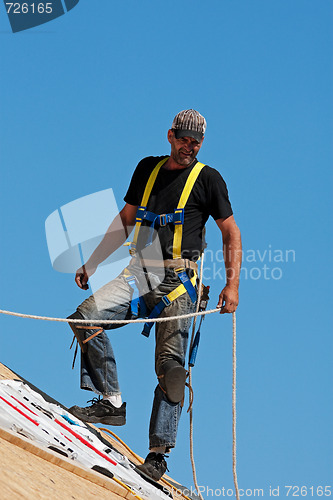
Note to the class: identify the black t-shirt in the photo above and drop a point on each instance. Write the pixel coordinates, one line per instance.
(209, 196)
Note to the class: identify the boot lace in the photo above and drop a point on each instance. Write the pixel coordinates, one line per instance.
(94, 401)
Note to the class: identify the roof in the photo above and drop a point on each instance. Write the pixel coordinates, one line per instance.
(31, 470)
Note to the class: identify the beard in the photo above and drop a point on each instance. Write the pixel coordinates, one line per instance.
(182, 159)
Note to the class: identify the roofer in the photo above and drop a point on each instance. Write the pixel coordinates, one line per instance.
(171, 196)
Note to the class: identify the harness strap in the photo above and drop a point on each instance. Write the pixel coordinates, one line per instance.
(178, 234)
(158, 220)
(177, 217)
(137, 299)
(182, 275)
(166, 301)
(144, 202)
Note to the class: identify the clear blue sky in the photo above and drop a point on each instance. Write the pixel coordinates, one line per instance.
(83, 99)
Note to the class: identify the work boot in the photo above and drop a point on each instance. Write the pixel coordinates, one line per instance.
(101, 411)
(154, 465)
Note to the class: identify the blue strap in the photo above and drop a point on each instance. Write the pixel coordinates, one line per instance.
(187, 284)
(195, 347)
(137, 299)
(166, 302)
(139, 213)
(158, 220)
(154, 314)
(143, 308)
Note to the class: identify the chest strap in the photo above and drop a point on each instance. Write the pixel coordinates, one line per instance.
(158, 220)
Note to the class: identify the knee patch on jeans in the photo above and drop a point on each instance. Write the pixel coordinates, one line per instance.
(172, 380)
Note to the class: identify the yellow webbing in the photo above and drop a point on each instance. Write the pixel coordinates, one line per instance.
(180, 290)
(178, 234)
(145, 198)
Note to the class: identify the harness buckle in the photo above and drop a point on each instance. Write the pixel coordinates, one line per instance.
(179, 216)
(166, 301)
(130, 279)
(163, 220)
(140, 214)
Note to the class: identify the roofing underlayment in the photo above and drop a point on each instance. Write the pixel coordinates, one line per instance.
(48, 453)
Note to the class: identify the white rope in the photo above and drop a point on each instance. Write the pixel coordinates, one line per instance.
(234, 359)
(194, 473)
(108, 321)
(191, 395)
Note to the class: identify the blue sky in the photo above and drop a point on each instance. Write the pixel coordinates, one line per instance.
(89, 94)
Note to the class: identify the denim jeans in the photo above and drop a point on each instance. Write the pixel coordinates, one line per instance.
(98, 364)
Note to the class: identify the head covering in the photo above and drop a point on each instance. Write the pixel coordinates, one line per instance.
(189, 123)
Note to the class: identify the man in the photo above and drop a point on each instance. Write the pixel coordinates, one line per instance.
(171, 196)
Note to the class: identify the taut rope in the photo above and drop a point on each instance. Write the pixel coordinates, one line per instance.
(194, 472)
(107, 321)
(234, 367)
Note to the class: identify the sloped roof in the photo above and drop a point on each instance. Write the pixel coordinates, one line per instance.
(26, 475)
(31, 471)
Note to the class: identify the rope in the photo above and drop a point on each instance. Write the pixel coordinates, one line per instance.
(194, 473)
(126, 488)
(234, 360)
(108, 321)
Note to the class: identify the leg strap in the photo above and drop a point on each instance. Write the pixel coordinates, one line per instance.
(138, 305)
(182, 275)
(167, 299)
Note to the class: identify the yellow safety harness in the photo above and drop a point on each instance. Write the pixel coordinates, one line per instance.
(176, 218)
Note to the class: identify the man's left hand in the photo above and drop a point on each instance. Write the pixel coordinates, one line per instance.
(228, 299)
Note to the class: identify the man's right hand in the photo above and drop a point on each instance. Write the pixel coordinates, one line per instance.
(82, 276)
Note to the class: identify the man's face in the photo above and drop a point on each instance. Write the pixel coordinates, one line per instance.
(183, 150)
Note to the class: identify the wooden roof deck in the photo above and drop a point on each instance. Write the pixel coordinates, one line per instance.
(31, 472)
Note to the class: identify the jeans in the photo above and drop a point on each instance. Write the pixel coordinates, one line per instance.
(98, 364)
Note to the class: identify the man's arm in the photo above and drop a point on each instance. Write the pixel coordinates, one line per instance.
(232, 252)
(115, 236)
